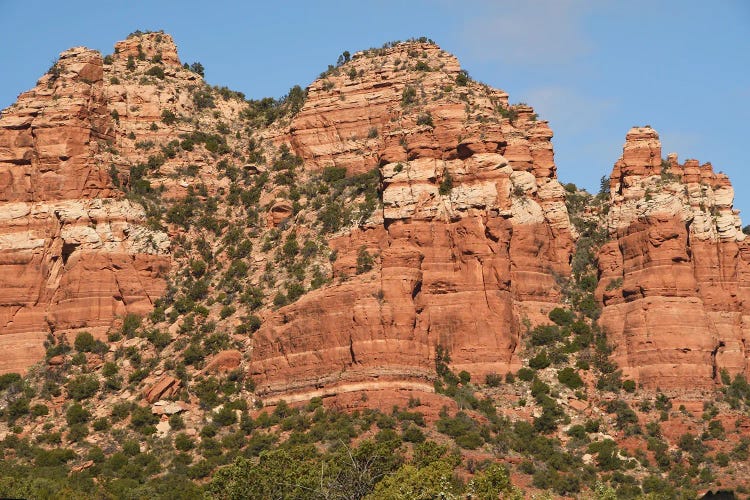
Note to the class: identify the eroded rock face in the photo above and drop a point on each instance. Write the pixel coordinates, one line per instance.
(473, 228)
(674, 279)
(409, 102)
(73, 253)
(147, 46)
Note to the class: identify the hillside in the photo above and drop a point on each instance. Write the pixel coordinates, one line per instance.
(376, 285)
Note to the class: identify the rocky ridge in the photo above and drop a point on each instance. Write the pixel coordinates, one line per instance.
(390, 242)
(471, 207)
(674, 278)
(73, 253)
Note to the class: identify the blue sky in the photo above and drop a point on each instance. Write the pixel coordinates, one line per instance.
(592, 68)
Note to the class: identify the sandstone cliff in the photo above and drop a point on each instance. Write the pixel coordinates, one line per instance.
(73, 253)
(326, 244)
(674, 278)
(472, 228)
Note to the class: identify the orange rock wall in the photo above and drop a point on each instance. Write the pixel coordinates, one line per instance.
(73, 254)
(461, 269)
(682, 312)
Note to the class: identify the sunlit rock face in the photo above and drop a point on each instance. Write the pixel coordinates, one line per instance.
(674, 277)
(73, 253)
(472, 230)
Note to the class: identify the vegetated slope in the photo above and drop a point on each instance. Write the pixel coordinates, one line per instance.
(389, 248)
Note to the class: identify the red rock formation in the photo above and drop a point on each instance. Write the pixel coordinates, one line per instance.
(673, 281)
(457, 266)
(165, 387)
(147, 46)
(138, 99)
(224, 361)
(72, 253)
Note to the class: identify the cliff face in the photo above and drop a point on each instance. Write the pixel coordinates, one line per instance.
(473, 226)
(467, 239)
(674, 279)
(73, 253)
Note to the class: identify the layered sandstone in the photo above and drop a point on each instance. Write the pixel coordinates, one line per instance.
(139, 98)
(151, 46)
(73, 253)
(472, 229)
(674, 278)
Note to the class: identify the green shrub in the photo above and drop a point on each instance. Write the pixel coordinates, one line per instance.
(545, 334)
(168, 117)
(227, 311)
(540, 361)
(84, 342)
(197, 68)
(82, 387)
(280, 300)
(408, 96)
(100, 424)
(77, 432)
(53, 458)
(569, 377)
(421, 66)
(562, 317)
(120, 411)
(493, 379)
(446, 184)
(716, 429)
(203, 100)
(412, 434)
(332, 174)
(176, 422)
(492, 483)
(193, 354)
(470, 441)
(156, 71)
(425, 119)
(138, 375)
(577, 431)
(183, 442)
(143, 421)
(225, 416)
(216, 342)
(131, 447)
(364, 260)
(525, 374)
(39, 410)
(611, 382)
(9, 379)
(624, 414)
(17, 408)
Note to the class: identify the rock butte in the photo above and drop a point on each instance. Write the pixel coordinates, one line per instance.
(461, 269)
(73, 254)
(675, 278)
(464, 267)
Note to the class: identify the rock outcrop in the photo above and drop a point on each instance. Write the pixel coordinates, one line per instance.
(73, 253)
(165, 387)
(674, 279)
(151, 46)
(472, 230)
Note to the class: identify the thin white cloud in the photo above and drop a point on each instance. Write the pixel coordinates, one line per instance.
(528, 32)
